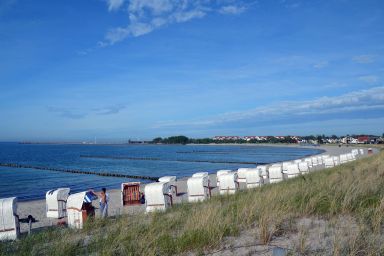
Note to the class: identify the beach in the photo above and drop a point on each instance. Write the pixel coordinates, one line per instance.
(37, 208)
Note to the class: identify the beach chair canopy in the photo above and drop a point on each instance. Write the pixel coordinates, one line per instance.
(228, 183)
(56, 201)
(9, 221)
(253, 178)
(167, 179)
(75, 201)
(198, 189)
(200, 174)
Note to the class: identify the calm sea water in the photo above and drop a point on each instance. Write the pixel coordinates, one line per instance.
(28, 184)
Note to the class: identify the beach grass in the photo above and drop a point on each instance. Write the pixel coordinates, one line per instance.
(349, 197)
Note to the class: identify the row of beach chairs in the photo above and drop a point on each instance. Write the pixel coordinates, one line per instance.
(161, 195)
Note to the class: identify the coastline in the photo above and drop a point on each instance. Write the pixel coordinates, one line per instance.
(36, 208)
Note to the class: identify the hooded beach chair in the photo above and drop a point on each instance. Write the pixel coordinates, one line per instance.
(343, 158)
(56, 203)
(292, 170)
(76, 215)
(198, 189)
(304, 167)
(228, 183)
(329, 162)
(315, 162)
(320, 160)
(253, 178)
(157, 196)
(130, 193)
(276, 174)
(241, 175)
(263, 170)
(361, 151)
(219, 173)
(308, 160)
(172, 183)
(336, 160)
(9, 220)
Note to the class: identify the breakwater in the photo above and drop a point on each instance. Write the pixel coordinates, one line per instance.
(105, 174)
(168, 160)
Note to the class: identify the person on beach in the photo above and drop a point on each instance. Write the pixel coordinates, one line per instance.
(104, 198)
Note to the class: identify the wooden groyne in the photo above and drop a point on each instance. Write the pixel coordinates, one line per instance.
(104, 174)
(167, 160)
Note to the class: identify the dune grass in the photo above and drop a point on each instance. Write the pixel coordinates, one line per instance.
(355, 190)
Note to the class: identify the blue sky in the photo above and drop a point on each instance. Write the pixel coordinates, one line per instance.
(119, 69)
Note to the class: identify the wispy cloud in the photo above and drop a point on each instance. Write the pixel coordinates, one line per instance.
(114, 5)
(77, 113)
(232, 9)
(109, 110)
(371, 79)
(324, 108)
(144, 16)
(364, 59)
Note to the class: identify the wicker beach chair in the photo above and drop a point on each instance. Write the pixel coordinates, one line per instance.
(228, 183)
(254, 178)
(198, 189)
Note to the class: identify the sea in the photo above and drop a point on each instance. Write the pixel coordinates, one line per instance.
(140, 160)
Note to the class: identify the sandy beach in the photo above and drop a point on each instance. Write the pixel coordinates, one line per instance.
(36, 208)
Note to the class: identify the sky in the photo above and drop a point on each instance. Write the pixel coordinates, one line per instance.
(139, 69)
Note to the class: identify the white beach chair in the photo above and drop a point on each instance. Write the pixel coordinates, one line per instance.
(276, 174)
(304, 167)
(219, 173)
(343, 158)
(157, 197)
(319, 160)
(361, 151)
(9, 220)
(228, 183)
(172, 183)
(198, 189)
(328, 162)
(263, 170)
(254, 178)
(336, 160)
(56, 203)
(292, 170)
(75, 214)
(308, 161)
(241, 175)
(315, 162)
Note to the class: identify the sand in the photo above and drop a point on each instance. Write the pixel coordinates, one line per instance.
(36, 208)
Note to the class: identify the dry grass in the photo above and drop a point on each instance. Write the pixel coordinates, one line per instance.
(355, 189)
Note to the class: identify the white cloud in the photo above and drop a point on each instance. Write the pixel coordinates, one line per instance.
(364, 59)
(144, 16)
(292, 111)
(232, 9)
(369, 79)
(114, 5)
